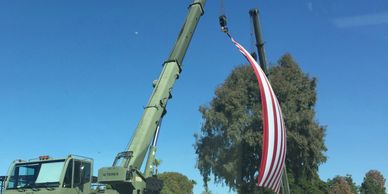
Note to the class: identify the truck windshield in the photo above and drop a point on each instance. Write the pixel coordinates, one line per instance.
(36, 174)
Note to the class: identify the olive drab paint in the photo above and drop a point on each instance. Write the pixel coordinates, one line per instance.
(124, 176)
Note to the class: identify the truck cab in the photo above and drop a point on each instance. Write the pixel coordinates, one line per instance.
(71, 175)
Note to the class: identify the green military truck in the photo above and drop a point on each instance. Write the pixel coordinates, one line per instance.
(74, 174)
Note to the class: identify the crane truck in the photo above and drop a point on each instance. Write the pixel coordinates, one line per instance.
(73, 174)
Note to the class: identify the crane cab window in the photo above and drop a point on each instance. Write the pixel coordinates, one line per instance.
(77, 173)
(36, 174)
(67, 181)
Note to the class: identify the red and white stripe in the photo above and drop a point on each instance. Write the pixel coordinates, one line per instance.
(274, 131)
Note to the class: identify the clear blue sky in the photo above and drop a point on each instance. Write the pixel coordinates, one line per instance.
(75, 75)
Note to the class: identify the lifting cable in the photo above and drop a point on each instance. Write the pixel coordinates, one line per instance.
(224, 28)
(222, 19)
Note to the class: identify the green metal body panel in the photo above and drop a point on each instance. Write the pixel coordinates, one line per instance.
(112, 174)
(44, 191)
(84, 188)
(61, 191)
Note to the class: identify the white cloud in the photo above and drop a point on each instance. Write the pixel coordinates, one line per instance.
(362, 20)
(310, 6)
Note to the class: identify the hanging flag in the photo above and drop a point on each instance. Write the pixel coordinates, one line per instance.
(274, 131)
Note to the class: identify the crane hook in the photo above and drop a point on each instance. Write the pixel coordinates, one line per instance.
(223, 23)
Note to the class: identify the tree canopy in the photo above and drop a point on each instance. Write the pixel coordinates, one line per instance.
(176, 183)
(342, 185)
(374, 182)
(229, 144)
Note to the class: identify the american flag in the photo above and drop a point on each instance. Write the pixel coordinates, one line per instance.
(274, 131)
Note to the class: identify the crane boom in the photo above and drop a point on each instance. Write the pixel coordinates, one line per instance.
(156, 106)
(125, 173)
(254, 13)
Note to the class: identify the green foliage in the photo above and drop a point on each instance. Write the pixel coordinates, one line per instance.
(374, 183)
(156, 164)
(353, 187)
(176, 183)
(230, 142)
(342, 185)
(305, 185)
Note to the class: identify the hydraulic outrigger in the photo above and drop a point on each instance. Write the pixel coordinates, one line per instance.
(73, 174)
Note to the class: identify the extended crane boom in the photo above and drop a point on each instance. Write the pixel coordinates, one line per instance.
(254, 13)
(125, 173)
(156, 107)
